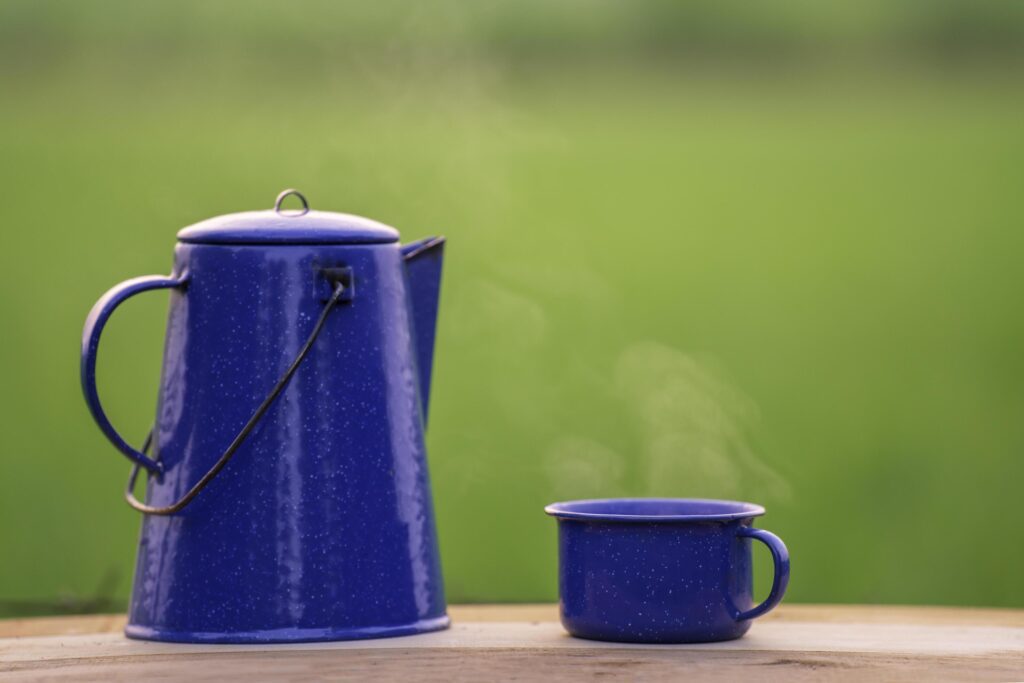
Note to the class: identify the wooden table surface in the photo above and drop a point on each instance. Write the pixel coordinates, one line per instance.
(525, 642)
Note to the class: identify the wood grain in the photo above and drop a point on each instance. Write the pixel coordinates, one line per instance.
(523, 642)
(412, 664)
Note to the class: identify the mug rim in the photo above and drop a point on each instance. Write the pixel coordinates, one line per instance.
(570, 510)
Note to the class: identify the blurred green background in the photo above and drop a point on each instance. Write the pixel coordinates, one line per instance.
(768, 251)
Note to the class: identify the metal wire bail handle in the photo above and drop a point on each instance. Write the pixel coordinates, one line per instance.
(236, 443)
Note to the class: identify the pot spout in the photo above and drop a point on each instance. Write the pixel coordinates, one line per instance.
(423, 261)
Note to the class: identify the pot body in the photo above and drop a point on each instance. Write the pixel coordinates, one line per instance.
(322, 526)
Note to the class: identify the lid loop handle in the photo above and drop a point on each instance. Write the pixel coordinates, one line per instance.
(291, 214)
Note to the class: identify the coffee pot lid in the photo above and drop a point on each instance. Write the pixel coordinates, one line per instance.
(288, 226)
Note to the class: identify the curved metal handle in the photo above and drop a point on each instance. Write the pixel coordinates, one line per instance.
(284, 195)
(780, 556)
(94, 325)
(236, 443)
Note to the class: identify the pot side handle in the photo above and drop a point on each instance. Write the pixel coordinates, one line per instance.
(94, 325)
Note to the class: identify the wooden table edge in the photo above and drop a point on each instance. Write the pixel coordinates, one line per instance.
(859, 614)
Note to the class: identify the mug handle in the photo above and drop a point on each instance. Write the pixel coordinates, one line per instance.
(780, 556)
(94, 325)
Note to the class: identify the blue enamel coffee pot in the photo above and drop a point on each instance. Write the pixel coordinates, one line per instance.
(287, 493)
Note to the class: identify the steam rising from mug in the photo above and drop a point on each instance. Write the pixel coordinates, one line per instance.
(690, 431)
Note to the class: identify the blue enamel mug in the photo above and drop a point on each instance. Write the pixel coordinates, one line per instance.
(661, 570)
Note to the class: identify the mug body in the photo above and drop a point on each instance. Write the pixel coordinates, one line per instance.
(322, 525)
(654, 570)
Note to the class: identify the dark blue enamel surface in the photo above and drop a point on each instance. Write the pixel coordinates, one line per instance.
(322, 526)
(661, 570)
